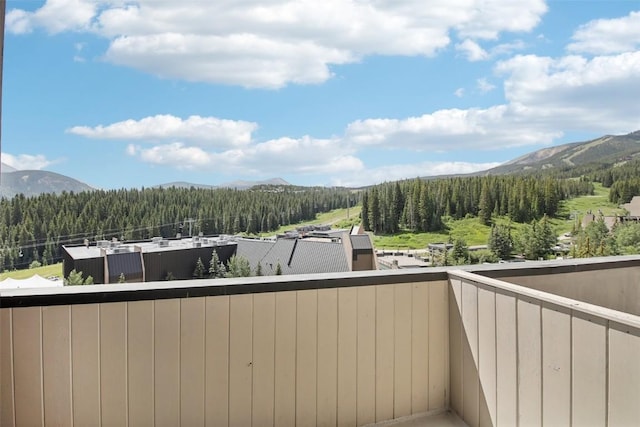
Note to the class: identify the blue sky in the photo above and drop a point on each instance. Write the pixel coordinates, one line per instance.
(125, 93)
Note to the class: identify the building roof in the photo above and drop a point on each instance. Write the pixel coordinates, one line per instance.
(158, 245)
(361, 242)
(295, 256)
(633, 206)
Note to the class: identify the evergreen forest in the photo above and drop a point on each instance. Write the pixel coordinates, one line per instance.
(34, 228)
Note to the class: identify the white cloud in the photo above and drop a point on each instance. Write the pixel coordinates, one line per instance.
(453, 129)
(572, 92)
(472, 50)
(459, 92)
(484, 86)
(210, 131)
(254, 43)
(55, 16)
(26, 161)
(407, 171)
(304, 155)
(607, 36)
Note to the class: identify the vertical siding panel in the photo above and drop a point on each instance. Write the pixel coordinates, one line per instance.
(439, 345)
(240, 359)
(455, 346)
(285, 369)
(306, 355)
(264, 319)
(556, 367)
(402, 348)
(589, 340)
(529, 364)
(7, 417)
(217, 361)
(624, 376)
(327, 357)
(420, 348)
(113, 363)
(167, 362)
(85, 349)
(347, 356)
(27, 353)
(487, 356)
(192, 342)
(384, 351)
(506, 361)
(140, 362)
(366, 364)
(470, 378)
(56, 350)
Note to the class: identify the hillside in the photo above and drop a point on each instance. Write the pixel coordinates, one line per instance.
(608, 149)
(238, 185)
(34, 182)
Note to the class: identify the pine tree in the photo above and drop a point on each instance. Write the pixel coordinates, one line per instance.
(122, 278)
(278, 270)
(216, 268)
(198, 272)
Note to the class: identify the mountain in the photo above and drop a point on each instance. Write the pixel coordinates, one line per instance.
(6, 168)
(238, 185)
(608, 149)
(34, 182)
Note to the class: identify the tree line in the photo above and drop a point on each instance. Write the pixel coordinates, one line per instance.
(419, 205)
(34, 228)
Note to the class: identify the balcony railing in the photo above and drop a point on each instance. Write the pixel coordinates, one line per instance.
(333, 349)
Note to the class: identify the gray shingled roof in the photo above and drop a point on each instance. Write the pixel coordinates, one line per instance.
(360, 241)
(295, 256)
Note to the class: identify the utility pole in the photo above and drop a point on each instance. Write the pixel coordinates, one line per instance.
(190, 221)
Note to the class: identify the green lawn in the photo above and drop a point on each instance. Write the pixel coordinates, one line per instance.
(468, 229)
(46, 271)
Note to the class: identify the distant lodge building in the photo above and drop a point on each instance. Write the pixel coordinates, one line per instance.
(633, 214)
(308, 251)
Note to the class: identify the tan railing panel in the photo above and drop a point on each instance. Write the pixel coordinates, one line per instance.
(487, 356)
(217, 361)
(347, 356)
(192, 361)
(455, 345)
(438, 345)
(264, 329)
(529, 363)
(27, 365)
(420, 347)
(285, 373)
(366, 365)
(556, 366)
(589, 358)
(506, 361)
(6, 369)
(167, 362)
(470, 381)
(113, 363)
(402, 351)
(56, 366)
(240, 359)
(384, 327)
(624, 376)
(140, 362)
(306, 357)
(85, 353)
(327, 357)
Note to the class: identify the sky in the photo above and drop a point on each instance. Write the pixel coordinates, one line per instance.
(132, 93)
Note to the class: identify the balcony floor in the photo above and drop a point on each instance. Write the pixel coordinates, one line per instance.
(443, 419)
